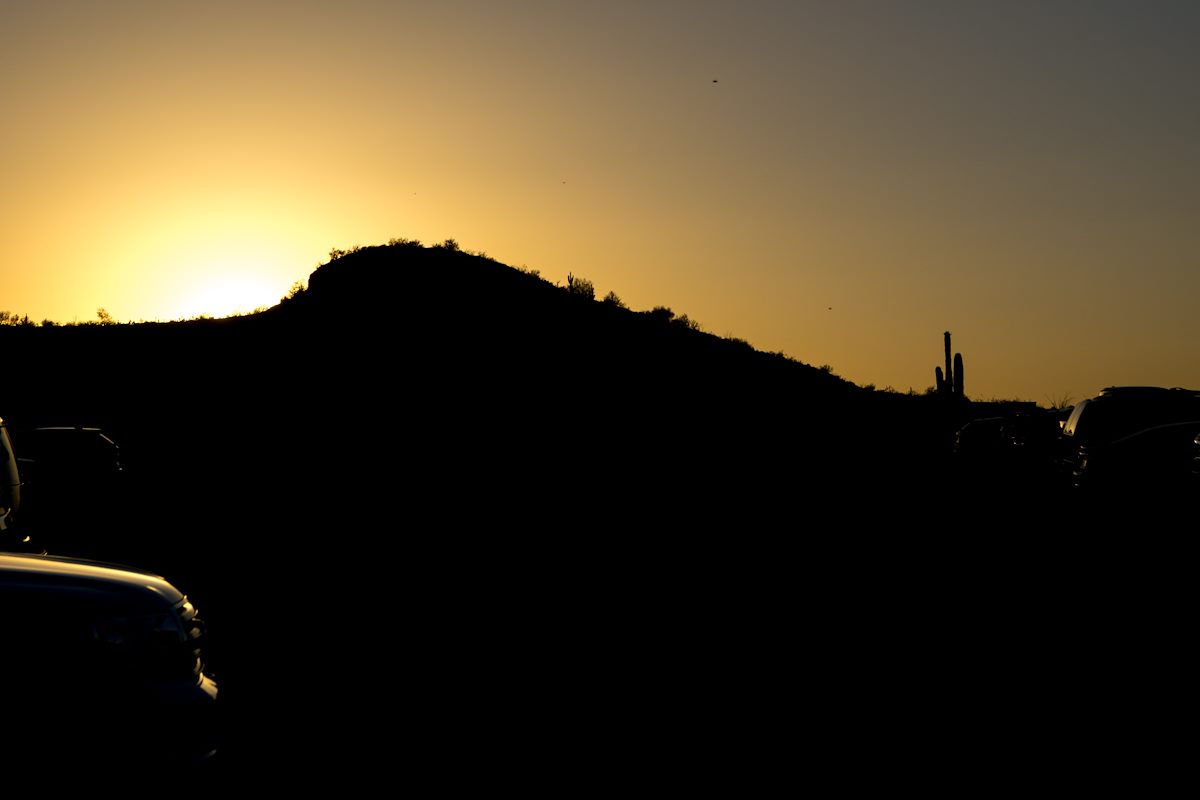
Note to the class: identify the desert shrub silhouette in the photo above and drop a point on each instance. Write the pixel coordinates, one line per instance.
(296, 290)
(613, 300)
(336, 253)
(581, 287)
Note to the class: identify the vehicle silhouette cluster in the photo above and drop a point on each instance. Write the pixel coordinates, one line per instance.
(1126, 442)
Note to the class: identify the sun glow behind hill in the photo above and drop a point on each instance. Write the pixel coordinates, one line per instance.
(1024, 175)
(226, 296)
(217, 273)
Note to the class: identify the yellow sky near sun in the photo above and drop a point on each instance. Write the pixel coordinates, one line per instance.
(853, 185)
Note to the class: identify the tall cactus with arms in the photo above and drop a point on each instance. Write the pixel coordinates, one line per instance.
(950, 382)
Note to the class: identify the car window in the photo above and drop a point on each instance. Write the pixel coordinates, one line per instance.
(1070, 428)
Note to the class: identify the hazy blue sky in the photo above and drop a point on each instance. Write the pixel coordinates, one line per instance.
(861, 177)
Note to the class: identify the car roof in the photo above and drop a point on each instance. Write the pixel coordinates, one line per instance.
(1146, 390)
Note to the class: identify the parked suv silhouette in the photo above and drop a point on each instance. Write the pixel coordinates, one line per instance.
(1131, 438)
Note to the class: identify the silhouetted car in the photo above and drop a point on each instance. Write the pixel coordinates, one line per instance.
(72, 481)
(101, 665)
(1122, 428)
(1157, 459)
(72, 451)
(980, 438)
(1008, 452)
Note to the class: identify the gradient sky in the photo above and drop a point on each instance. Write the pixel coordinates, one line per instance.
(861, 177)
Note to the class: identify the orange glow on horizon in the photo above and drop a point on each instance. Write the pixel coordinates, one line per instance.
(839, 186)
(224, 297)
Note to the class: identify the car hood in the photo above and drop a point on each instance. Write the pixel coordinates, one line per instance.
(50, 569)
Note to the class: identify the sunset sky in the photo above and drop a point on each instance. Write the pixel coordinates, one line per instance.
(841, 181)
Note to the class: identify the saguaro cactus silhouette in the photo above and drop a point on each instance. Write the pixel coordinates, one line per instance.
(950, 382)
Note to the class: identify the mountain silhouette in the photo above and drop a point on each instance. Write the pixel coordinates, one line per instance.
(469, 375)
(518, 519)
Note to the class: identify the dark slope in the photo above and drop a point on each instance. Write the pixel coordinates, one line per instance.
(528, 381)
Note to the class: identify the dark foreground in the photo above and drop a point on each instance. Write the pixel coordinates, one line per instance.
(499, 616)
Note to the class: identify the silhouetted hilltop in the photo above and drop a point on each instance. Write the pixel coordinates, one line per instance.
(439, 373)
(511, 324)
